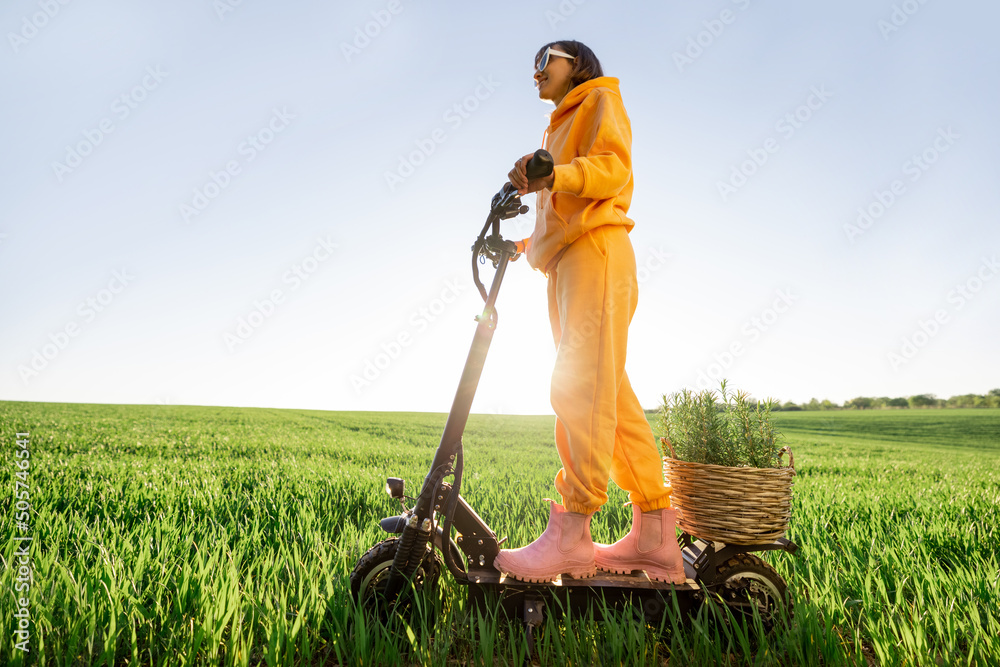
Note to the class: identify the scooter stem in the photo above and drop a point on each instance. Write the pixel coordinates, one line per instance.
(451, 439)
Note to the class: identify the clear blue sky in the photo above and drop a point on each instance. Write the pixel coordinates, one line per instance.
(172, 169)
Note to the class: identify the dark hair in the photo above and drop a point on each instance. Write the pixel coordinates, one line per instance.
(586, 66)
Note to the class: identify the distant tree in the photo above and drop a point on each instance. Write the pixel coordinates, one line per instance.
(860, 403)
(813, 404)
(994, 392)
(923, 401)
(826, 405)
(967, 401)
(789, 406)
(898, 403)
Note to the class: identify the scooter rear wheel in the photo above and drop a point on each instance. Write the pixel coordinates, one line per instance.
(750, 585)
(370, 574)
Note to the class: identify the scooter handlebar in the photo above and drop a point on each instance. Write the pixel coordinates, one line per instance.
(540, 165)
(506, 204)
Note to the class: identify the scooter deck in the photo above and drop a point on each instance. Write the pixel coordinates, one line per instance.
(638, 579)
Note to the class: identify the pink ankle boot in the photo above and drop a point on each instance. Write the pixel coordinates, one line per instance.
(651, 545)
(564, 548)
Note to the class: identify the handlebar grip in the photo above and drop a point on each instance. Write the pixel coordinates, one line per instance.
(540, 165)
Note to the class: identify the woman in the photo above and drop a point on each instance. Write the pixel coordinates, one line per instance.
(580, 242)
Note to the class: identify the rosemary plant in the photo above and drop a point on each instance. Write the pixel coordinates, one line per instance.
(734, 431)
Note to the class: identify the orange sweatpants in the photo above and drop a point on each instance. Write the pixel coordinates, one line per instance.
(601, 430)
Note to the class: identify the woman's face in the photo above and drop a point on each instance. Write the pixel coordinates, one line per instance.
(554, 82)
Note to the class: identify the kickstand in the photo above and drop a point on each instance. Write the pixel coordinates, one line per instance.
(532, 619)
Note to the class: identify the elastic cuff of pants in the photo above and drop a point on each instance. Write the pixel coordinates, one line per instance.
(658, 504)
(579, 508)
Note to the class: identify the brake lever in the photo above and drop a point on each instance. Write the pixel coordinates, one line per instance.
(507, 203)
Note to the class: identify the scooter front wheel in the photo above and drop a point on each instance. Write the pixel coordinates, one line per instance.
(370, 574)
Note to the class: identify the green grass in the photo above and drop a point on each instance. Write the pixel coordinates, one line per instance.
(959, 429)
(170, 535)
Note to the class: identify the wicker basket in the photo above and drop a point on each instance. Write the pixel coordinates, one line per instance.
(731, 505)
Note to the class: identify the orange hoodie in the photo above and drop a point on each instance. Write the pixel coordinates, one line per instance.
(590, 139)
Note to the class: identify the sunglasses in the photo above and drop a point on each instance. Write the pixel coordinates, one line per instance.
(545, 58)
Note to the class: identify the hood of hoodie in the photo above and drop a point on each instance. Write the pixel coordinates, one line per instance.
(575, 96)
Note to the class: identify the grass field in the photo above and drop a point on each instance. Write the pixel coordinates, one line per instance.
(169, 535)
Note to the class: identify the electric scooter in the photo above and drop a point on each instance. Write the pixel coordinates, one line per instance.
(442, 530)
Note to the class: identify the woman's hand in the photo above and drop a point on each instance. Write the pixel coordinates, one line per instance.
(519, 178)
